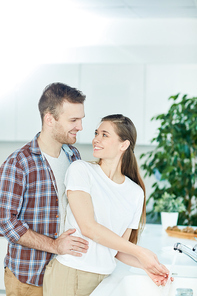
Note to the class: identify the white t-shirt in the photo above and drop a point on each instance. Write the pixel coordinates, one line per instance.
(116, 206)
(59, 167)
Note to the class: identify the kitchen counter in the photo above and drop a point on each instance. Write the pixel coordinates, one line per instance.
(157, 240)
(153, 238)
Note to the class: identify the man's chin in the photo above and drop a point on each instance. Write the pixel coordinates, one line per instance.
(72, 140)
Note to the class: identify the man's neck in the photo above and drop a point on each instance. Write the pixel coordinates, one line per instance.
(48, 145)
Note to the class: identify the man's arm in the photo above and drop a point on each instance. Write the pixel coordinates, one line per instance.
(12, 186)
(64, 244)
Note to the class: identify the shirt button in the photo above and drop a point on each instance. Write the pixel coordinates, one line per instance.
(57, 216)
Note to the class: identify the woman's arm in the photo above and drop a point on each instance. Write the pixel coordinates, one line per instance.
(133, 261)
(83, 211)
(126, 258)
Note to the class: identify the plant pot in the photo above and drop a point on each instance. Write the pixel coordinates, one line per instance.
(169, 219)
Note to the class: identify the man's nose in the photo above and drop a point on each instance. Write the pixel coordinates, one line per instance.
(79, 125)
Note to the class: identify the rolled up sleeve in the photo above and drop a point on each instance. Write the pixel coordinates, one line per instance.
(12, 187)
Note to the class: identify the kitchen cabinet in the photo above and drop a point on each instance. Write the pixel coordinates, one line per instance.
(112, 89)
(162, 81)
(28, 120)
(19, 115)
(8, 117)
(139, 91)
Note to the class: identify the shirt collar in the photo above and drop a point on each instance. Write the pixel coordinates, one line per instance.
(36, 149)
(67, 150)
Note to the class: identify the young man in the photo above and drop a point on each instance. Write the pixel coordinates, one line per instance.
(32, 193)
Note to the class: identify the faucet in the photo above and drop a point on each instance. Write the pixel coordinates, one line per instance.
(192, 253)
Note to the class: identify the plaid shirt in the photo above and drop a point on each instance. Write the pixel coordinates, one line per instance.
(28, 200)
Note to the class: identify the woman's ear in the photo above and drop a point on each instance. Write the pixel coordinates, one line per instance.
(125, 145)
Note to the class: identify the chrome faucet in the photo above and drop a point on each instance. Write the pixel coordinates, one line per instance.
(192, 253)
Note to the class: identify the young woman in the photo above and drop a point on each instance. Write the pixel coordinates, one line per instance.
(106, 207)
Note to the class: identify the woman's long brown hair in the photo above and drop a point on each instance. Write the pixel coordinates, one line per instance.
(126, 130)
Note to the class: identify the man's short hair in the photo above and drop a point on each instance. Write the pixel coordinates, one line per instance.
(54, 95)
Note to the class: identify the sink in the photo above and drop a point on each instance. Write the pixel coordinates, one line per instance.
(183, 271)
(141, 285)
(136, 282)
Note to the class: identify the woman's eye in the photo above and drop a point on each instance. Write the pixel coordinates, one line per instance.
(104, 135)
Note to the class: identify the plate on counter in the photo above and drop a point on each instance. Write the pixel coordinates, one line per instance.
(181, 234)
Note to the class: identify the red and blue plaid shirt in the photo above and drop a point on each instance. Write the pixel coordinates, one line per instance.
(28, 200)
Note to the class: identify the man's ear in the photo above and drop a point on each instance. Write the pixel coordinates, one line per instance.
(48, 119)
(125, 145)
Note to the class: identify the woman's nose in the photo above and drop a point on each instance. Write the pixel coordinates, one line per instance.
(96, 139)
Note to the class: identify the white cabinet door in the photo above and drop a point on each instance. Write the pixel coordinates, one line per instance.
(137, 91)
(8, 117)
(112, 89)
(28, 94)
(163, 81)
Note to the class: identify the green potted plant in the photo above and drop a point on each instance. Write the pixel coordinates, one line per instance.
(169, 207)
(173, 159)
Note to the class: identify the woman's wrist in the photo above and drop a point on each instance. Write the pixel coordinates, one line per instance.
(136, 250)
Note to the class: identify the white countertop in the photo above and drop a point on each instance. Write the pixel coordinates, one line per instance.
(157, 240)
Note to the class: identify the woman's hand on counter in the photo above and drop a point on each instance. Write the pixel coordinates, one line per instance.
(159, 280)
